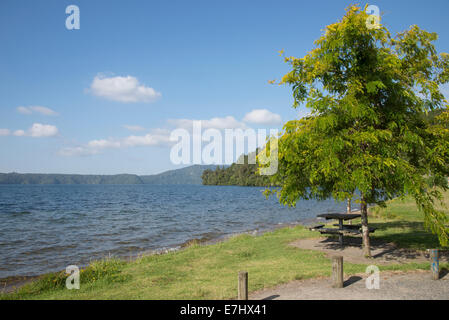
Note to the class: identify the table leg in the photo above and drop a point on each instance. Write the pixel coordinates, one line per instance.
(340, 236)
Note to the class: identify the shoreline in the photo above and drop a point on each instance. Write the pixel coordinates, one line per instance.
(12, 283)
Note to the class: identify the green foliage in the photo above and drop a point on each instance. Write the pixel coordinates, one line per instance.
(241, 173)
(188, 175)
(370, 95)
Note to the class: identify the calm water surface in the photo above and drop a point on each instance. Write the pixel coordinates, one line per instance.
(45, 228)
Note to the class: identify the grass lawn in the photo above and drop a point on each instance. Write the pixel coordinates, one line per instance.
(210, 271)
(402, 224)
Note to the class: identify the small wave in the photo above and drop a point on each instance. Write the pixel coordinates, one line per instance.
(34, 233)
(49, 249)
(19, 212)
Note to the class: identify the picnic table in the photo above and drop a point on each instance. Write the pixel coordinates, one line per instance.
(342, 228)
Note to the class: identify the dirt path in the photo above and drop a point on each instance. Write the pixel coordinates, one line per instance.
(383, 253)
(415, 285)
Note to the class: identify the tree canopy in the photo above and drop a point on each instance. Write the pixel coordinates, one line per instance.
(368, 94)
(241, 173)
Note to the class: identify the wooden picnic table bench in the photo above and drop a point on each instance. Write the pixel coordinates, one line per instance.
(338, 231)
(355, 227)
(315, 228)
(342, 229)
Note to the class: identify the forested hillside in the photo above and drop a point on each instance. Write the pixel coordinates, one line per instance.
(239, 174)
(188, 175)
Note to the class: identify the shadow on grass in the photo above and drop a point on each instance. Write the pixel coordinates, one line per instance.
(393, 240)
(379, 248)
(405, 234)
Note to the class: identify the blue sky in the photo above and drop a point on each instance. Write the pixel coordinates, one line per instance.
(181, 60)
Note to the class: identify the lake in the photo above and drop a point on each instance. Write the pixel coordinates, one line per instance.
(45, 228)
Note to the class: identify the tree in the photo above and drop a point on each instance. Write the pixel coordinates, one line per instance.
(368, 95)
(242, 173)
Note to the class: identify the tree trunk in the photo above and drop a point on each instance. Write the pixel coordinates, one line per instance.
(365, 229)
(348, 209)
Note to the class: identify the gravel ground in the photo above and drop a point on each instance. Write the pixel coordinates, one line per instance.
(382, 253)
(416, 285)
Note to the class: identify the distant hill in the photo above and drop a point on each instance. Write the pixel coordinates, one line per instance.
(188, 175)
(38, 178)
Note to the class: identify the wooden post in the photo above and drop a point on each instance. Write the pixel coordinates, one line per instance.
(337, 272)
(243, 285)
(434, 264)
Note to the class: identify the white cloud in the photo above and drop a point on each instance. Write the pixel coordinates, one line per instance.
(262, 116)
(158, 137)
(42, 130)
(228, 122)
(92, 147)
(147, 140)
(103, 143)
(122, 89)
(133, 128)
(37, 130)
(19, 133)
(37, 109)
(161, 132)
(24, 110)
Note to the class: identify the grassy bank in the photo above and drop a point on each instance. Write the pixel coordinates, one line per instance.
(210, 272)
